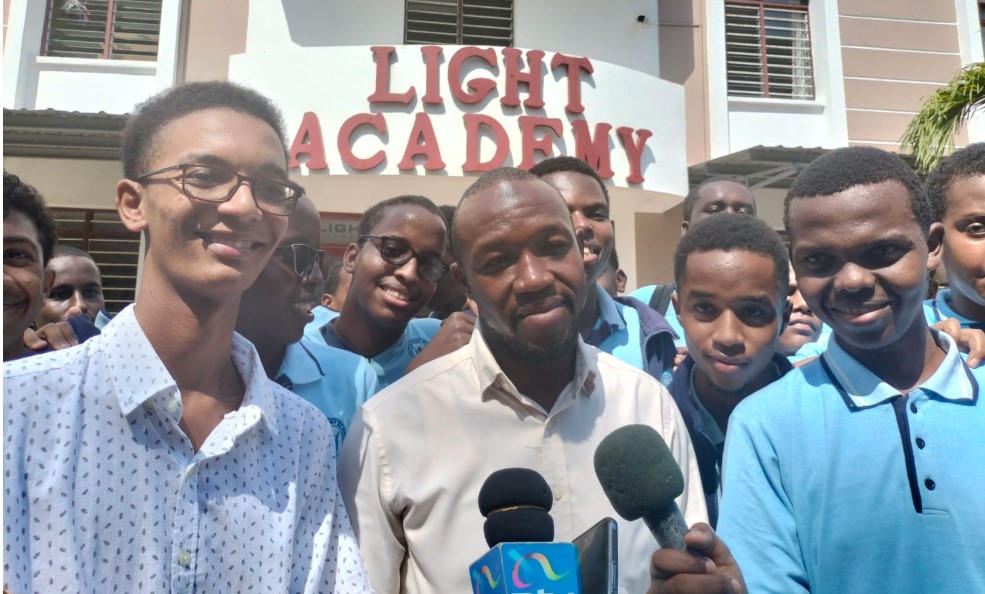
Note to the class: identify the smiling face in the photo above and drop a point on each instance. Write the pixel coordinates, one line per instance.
(386, 295)
(731, 327)
(23, 273)
(964, 246)
(861, 262)
(279, 303)
(76, 289)
(803, 327)
(590, 217)
(524, 269)
(202, 249)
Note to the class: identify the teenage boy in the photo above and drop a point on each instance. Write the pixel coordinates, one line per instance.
(28, 243)
(805, 335)
(525, 391)
(273, 314)
(957, 192)
(395, 265)
(158, 457)
(76, 288)
(731, 275)
(862, 470)
(626, 329)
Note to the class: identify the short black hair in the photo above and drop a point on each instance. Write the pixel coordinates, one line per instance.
(334, 276)
(25, 199)
(846, 168)
(730, 232)
(691, 200)
(564, 164)
(488, 180)
(151, 116)
(962, 164)
(376, 213)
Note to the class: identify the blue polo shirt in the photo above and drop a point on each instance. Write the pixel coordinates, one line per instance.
(644, 294)
(834, 482)
(323, 315)
(939, 308)
(335, 381)
(391, 363)
(621, 327)
(813, 349)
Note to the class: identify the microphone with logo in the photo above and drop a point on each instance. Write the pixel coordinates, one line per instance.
(518, 527)
(641, 479)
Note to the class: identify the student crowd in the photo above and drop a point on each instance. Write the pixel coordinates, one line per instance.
(261, 419)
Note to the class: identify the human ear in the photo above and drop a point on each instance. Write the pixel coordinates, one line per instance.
(129, 205)
(349, 258)
(459, 276)
(935, 246)
(677, 306)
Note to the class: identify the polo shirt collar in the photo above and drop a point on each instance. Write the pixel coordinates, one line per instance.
(863, 389)
(300, 366)
(608, 312)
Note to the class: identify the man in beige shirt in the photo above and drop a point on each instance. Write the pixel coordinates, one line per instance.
(525, 391)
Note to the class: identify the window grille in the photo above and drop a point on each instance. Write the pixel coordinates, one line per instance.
(459, 22)
(768, 49)
(102, 29)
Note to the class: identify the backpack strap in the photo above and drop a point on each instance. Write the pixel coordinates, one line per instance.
(661, 297)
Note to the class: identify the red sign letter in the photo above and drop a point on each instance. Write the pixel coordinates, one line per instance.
(575, 65)
(634, 151)
(308, 141)
(543, 144)
(382, 94)
(594, 152)
(473, 122)
(375, 120)
(422, 141)
(432, 58)
(514, 76)
(480, 87)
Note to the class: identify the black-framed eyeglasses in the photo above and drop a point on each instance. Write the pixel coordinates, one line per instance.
(396, 251)
(215, 184)
(304, 257)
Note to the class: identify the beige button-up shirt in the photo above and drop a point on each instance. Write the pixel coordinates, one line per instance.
(418, 452)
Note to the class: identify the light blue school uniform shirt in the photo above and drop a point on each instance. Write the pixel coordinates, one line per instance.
(813, 349)
(623, 340)
(390, 364)
(644, 294)
(335, 381)
(835, 483)
(323, 315)
(939, 308)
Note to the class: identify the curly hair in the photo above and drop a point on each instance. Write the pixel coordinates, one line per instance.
(25, 199)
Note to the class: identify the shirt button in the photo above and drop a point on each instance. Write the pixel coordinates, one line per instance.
(172, 405)
(913, 407)
(185, 558)
(558, 494)
(929, 483)
(921, 443)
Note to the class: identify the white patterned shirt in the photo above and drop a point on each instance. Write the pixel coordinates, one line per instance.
(103, 491)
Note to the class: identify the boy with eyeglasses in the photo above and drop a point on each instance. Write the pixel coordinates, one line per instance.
(395, 266)
(273, 314)
(158, 457)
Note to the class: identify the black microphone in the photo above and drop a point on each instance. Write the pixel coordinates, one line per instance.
(515, 502)
(641, 479)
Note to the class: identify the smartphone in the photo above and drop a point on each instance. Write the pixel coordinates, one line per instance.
(598, 558)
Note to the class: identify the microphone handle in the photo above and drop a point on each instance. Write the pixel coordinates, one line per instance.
(667, 526)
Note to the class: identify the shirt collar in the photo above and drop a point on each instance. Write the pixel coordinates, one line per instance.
(300, 366)
(493, 382)
(710, 424)
(124, 343)
(862, 388)
(608, 312)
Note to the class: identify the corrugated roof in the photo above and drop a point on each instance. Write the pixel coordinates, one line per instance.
(65, 134)
(759, 166)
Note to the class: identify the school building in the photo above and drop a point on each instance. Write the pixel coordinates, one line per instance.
(388, 97)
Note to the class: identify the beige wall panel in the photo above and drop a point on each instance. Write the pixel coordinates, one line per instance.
(215, 30)
(892, 147)
(873, 125)
(656, 238)
(941, 11)
(881, 94)
(893, 65)
(75, 183)
(935, 37)
(682, 59)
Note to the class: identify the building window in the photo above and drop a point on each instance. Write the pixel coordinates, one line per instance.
(102, 29)
(459, 22)
(768, 49)
(115, 249)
